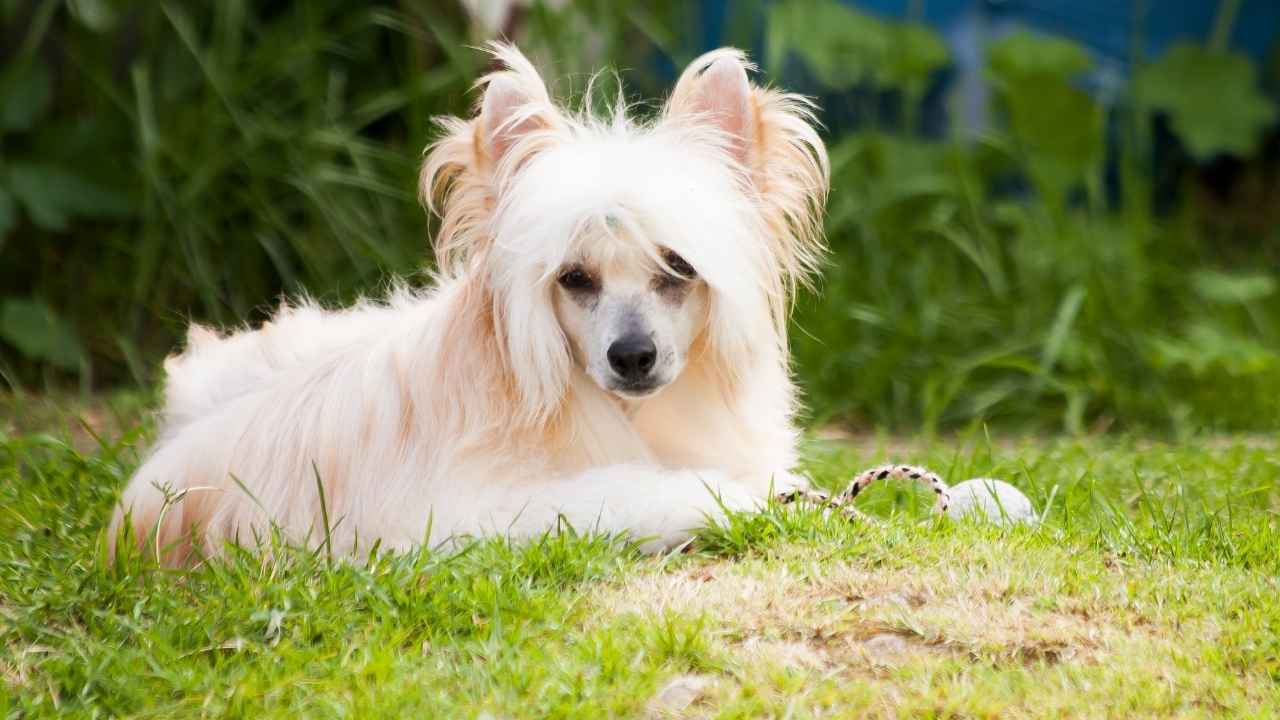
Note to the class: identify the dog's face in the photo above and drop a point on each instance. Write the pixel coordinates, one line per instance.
(630, 319)
(631, 250)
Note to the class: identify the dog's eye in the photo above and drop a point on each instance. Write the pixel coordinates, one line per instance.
(577, 279)
(679, 266)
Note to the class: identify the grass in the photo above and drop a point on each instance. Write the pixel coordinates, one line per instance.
(1150, 590)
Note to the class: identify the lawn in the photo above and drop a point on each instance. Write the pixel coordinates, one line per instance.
(1149, 590)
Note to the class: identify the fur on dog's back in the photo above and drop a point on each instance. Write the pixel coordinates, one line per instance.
(216, 368)
(315, 390)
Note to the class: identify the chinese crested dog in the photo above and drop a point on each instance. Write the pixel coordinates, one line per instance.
(604, 345)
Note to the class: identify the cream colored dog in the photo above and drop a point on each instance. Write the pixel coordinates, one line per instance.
(605, 344)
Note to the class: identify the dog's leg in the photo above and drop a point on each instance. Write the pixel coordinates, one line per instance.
(661, 508)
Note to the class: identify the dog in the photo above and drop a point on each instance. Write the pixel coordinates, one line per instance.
(604, 345)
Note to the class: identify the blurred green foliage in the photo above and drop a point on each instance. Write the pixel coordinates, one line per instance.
(166, 161)
(1212, 98)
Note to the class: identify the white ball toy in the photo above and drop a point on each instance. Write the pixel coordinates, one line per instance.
(990, 499)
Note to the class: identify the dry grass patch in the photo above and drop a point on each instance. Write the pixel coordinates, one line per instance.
(1008, 636)
(838, 614)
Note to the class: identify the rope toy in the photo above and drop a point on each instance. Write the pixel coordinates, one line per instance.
(989, 499)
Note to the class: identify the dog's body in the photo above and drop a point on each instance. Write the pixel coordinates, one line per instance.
(604, 346)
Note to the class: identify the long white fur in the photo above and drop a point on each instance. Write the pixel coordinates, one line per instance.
(459, 410)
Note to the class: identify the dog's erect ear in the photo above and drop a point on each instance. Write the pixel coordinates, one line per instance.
(515, 106)
(773, 137)
(465, 170)
(715, 89)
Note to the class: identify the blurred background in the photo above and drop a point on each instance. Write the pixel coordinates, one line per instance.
(1045, 214)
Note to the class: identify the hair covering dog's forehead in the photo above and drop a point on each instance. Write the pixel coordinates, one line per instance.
(641, 188)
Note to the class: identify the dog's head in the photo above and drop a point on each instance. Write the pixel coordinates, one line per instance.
(631, 249)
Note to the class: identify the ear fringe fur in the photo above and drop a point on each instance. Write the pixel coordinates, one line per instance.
(458, 177)
(787, 164)
(793, 176)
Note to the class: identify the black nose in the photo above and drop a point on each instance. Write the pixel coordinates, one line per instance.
(632, 357)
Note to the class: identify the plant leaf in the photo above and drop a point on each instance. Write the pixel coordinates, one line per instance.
(841, 46)
(97, 15)
(52, 196)
(1054, 342)
(1211, 97)
(917, 52)
(1206, 346)
(39, 333)
(1058, 126)
(25, 92)
(8, 214)
(1024, 55)
(1227, 288)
